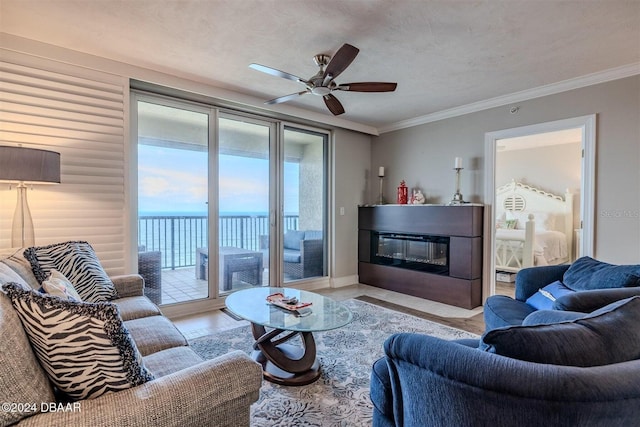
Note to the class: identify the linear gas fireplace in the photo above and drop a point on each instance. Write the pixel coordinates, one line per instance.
(411, 251)
(428, 251)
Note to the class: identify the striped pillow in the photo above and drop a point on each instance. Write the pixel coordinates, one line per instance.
(84, 348)
(78, 262)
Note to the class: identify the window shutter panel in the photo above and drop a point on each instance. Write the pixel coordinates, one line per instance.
(79, 113)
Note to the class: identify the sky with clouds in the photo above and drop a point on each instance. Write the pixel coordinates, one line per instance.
(175, 181)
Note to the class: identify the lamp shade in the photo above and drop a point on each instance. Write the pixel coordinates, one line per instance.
(19, 164)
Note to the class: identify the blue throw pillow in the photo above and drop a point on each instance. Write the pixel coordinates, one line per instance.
(608, 335)
(587, 273)
(545, 297)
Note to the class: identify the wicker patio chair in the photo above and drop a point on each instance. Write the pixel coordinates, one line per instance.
(150, 268)
(303, 253)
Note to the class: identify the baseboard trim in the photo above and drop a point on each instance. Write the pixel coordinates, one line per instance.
(341, 282)
(473, 324)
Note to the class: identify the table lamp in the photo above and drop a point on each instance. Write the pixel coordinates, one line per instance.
(26, 166)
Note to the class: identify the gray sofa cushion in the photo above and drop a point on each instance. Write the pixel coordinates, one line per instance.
(171, 360)
(587, 273)
(7, 274)
(154, 333)
(84, 347)
(136, 307)
(18, 263)
(606, 336)
(18, 363)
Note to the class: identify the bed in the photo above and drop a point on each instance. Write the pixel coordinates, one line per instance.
(533, 227)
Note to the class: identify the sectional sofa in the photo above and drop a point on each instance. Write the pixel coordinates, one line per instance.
(178, 387)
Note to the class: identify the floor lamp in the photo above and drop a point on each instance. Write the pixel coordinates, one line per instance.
(26, 166)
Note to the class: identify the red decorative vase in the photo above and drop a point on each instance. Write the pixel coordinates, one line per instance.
(402, 193)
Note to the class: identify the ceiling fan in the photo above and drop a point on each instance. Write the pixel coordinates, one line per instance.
(323, 82)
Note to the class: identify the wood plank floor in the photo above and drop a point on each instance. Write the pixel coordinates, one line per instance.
(208, 323)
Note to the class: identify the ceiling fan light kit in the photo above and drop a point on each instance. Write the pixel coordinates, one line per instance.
(323, 82)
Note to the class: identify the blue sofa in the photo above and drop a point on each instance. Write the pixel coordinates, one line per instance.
(580, 370)
(583, 286)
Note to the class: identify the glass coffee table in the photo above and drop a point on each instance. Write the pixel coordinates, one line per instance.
(285, 363)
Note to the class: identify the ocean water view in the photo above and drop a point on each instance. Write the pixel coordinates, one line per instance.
(178, 234)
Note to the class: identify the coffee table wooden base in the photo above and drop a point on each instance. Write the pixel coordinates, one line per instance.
(285, 364)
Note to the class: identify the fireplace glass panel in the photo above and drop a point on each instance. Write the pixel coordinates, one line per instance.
(411, 251)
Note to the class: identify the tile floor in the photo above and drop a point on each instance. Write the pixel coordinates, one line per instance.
(181, 285)
(197, 325)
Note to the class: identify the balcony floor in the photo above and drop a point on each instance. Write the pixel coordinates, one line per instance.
(181, 285)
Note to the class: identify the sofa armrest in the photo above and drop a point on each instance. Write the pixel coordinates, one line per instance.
(529, 280)
(588, 301)
(215, 392)
(128, 285)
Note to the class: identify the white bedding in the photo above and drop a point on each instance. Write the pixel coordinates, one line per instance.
(549, 245)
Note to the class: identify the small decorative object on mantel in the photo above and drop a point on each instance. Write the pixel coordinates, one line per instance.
(403, 193)
(417, 198)
(457, 197)
(381, 176)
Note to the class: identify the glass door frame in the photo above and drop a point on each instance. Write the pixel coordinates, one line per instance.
(276, 188)
(190, 306)
(274, 132)
(326, 186)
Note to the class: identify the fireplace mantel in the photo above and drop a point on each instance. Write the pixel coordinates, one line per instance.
(461, 226)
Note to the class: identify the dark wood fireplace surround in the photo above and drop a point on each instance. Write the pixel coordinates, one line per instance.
(463, 225)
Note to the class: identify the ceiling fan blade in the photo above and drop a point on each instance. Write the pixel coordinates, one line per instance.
(333, 104)
(341, 60)
(368, 87)
(277, 73)
(286, 98)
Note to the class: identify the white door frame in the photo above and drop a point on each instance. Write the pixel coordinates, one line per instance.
(587, 197)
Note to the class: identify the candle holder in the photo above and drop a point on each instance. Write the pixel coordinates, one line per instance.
(380, 195)
(457, 197)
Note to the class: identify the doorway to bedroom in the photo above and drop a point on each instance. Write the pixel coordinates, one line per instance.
(541, 196)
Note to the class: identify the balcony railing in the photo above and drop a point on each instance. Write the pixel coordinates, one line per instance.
(177, 237)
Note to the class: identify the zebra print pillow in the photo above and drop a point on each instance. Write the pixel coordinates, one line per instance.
(84, 347)
(78, 262)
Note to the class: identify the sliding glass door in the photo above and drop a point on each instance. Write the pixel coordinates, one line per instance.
(304, 193)
(225, 201)
(173, 220)
(244, 193)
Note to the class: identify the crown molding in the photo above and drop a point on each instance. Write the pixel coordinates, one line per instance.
(550, 89)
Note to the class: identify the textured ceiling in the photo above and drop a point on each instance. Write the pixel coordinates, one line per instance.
(443, 54)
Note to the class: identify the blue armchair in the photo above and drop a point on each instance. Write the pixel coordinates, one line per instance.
(591, 284)
(584, 372)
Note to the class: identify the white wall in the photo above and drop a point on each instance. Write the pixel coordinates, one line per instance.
(423, 155)
(554, 169)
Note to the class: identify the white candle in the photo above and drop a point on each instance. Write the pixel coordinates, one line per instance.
(458, 163)
(381, 171)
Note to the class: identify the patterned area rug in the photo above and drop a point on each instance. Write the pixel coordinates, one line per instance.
(340, 397)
